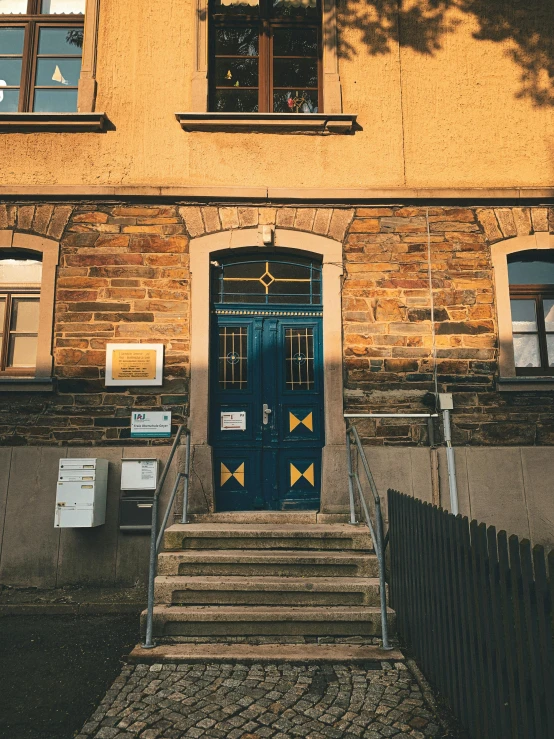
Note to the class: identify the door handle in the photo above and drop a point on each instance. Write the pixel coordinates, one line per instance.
(267, 411)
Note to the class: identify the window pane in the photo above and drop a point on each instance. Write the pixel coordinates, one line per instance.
(9, 101)
(237, 41)
(299, 358)
(22, 351)
(523, 315)
(526, 350)
(10, 72)
(13, 6)
(2, 317)
(55, 101)
(295, 101)
(301, 72)
(294, 8)
(233, 357)
(236, 101)
(62, 72)
(20, 272)
(548, 306)
(232, 8)
(11, 40)
(53, 7)
(24, 315)
(236, 72)
(61, 41)
(534, 267)
(550, 349)
(295, 42)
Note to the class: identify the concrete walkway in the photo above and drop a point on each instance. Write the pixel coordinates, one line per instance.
(255, 701)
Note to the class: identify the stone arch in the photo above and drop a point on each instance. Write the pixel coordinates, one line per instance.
(50, 253)
(499, 255)
(333, 497)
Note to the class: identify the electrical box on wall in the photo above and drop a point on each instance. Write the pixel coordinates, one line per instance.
(81, 493)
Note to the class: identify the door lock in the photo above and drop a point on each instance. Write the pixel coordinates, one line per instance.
(267, 411)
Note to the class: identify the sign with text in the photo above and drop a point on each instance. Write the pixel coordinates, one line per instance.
(150, 425)
(233, 421)
(134, 364)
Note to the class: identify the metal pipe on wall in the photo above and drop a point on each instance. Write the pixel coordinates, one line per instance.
(450, 463)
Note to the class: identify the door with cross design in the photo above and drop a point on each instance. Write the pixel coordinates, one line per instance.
(267, 409)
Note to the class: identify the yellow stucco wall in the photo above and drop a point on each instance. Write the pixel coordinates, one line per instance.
(452, 116)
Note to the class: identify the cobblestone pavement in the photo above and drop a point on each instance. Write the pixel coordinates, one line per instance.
(237, 701)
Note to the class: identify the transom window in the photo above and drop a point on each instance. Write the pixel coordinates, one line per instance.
(265, 56)
(531, 276)
(41, 45)
(267, 281)
(20, 281)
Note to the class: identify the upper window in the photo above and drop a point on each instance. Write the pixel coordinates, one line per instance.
(265, 56)
(20, 281)
(41, 45)
(297, 281)
(531, 276)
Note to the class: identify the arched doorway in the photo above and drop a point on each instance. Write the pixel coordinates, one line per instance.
(266, 381)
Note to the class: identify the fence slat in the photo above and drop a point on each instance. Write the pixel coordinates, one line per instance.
(477, 611)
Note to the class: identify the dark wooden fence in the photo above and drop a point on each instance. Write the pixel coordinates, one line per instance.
(476, 609)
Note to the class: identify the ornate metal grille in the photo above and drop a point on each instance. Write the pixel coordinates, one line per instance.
(233, 357)
(299, 358)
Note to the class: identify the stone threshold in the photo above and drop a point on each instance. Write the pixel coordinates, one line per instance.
(252, 654)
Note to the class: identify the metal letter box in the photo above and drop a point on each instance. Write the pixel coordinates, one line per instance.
(81, 493)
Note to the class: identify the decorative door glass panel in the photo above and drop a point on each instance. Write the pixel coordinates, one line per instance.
(233, 357)
(268, 282)
(299, 359)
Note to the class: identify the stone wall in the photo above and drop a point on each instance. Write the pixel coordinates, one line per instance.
(124, 276)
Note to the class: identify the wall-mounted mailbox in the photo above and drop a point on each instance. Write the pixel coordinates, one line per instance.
(139, 474)
(135, 513)
(81, 493)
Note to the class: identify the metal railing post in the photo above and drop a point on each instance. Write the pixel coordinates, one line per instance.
(187, 480)
(148, 643)
(350, 479)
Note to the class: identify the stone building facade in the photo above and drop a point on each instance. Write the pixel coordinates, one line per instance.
(415, 249)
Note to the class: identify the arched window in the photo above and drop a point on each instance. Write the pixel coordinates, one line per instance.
(531, 279)
(20, 284)
(294, 280)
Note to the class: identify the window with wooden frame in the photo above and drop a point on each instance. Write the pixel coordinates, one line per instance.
(265, 56)
(531, 277)
(41, 44)
(20, 283)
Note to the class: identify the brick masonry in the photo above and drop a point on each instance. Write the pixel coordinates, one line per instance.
(124, 276)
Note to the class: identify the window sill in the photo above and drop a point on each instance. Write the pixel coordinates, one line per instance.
(305, 123)
(515, 384)
(26, 385)
(57, 122)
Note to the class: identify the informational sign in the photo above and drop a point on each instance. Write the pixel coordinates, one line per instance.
(233, 421)
(134, 364)
(150, 425)
(139, 474)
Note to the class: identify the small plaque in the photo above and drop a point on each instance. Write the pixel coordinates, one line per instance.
(139, 474)
(233, 421)
(150, 425)
(134, 364)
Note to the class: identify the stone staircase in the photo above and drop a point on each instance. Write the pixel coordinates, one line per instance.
(262, 575)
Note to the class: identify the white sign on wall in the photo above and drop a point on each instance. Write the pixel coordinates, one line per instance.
(150, 425)
(233, 421)
(129, 365)
(139, 474)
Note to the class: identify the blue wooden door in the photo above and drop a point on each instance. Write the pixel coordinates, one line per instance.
(266, 406)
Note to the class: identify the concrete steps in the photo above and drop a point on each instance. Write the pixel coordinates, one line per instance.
(290, 591)
(274, 576)
(187, 621)
(268, 563)
(259, 536)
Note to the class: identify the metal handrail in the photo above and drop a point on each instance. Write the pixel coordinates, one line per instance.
(377, 530)
(155, 538)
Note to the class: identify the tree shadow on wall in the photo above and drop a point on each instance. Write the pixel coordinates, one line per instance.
(526, 27)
